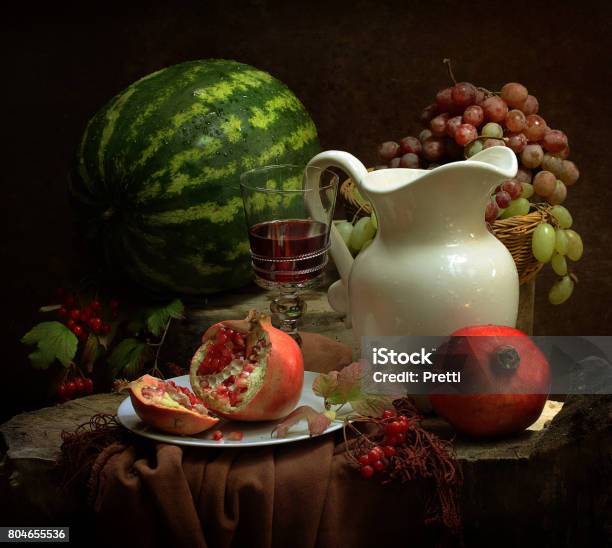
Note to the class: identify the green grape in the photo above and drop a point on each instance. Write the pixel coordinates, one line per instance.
(374, 220)
(574, 245)
(492, 130)
(362, 232)
(520, 206)
(527, 190)
(559, 264)
(345, 228)
(543, 242)
(473, 148)
(561, 241)
(561, 290)
(563, 216)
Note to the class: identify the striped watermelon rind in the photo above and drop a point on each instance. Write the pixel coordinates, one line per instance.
(156, 177)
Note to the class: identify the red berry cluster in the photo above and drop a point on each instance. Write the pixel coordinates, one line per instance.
(377, 458)
(81, 386)
(83, 320)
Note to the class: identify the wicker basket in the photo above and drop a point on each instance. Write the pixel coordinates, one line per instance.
(514, 233)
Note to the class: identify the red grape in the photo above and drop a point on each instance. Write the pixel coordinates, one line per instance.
(428, 113)
(512, 187)
(517, 142)
(433, 149)
(563, 154)
(558, 195)
(523, 175)
(535, 128)
(495, 109)
(515, 120)
(473, 115)
(410, 144)
(444, 100)
(425, 134)
(388, 150)
(554, 140)
(463, 94)
(553, 164)
(492, 143)
(530, 106)
(438, 124)
(569, 173)
(532, 155)
(480, 97)
(544, 183)
(514, 94)
(503, 199)
(452, 124)
(410, 160)
(492, 211)
(465, 133)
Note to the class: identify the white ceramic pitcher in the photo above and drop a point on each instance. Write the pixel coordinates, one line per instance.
(433, 266)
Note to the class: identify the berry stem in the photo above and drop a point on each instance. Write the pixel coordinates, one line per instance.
(449, 67)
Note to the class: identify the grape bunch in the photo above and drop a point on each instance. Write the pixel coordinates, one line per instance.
(465, 119)
(359, 236)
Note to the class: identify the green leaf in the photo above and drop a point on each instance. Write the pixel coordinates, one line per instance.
(50, 308)
(157, 318)
(91, 352)
(54, 341)
(128, 358)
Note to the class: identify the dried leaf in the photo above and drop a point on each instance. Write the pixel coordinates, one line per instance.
(349, 385)
(372, 405)
(325, 384)
(50, 307)
(317, 422)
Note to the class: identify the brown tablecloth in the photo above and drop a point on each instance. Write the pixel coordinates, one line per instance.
(301, 494)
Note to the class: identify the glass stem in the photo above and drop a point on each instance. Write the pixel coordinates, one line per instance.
(289, 308)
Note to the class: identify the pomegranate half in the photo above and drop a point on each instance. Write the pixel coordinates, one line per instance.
(168, 407)
(248, 370)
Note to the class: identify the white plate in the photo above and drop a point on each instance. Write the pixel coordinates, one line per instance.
(255, 433)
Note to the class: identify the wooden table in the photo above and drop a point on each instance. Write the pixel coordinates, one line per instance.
(517, 490)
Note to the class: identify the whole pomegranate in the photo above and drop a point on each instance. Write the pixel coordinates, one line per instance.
(248, 370)
(168, 407)
(508, 379)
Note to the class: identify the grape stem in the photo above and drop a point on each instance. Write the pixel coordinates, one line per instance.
(449, 67)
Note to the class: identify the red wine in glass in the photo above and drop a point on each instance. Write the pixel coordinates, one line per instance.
(289, 251)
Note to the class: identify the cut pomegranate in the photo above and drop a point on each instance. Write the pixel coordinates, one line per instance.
(168, 407)
(248, 370)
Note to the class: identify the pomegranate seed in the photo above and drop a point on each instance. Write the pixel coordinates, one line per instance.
(236, 436)
(367, 471)
(217, 435)
(221, 389)
(222, 337)
(249, 368)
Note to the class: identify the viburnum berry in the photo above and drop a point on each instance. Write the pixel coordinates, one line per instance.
(95, 305)
(389, 451)
(75, 314)
(379, 465)
(376, 453)
(62, 312)
(364, 459)
(70, 301)
(394, 427)
(401, 438)
(88, 386)
(85, 314)
(390, 440)
(70, 389)
(105, 329)
(388, 414)
(95, 324)
(62, 392)
(79, 385)
(71, 324)
(78, 330)
(367, 471)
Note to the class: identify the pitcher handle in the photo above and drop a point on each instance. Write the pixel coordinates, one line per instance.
(356, 171)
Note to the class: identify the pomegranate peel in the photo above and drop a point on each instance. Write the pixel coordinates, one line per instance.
(168, 407)
(248, 370)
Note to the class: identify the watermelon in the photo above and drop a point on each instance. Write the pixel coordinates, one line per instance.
(156, 176)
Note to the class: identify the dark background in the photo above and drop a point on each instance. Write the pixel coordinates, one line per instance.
(363, 69)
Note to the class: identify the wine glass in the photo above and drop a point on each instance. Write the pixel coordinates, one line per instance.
(289, 219)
